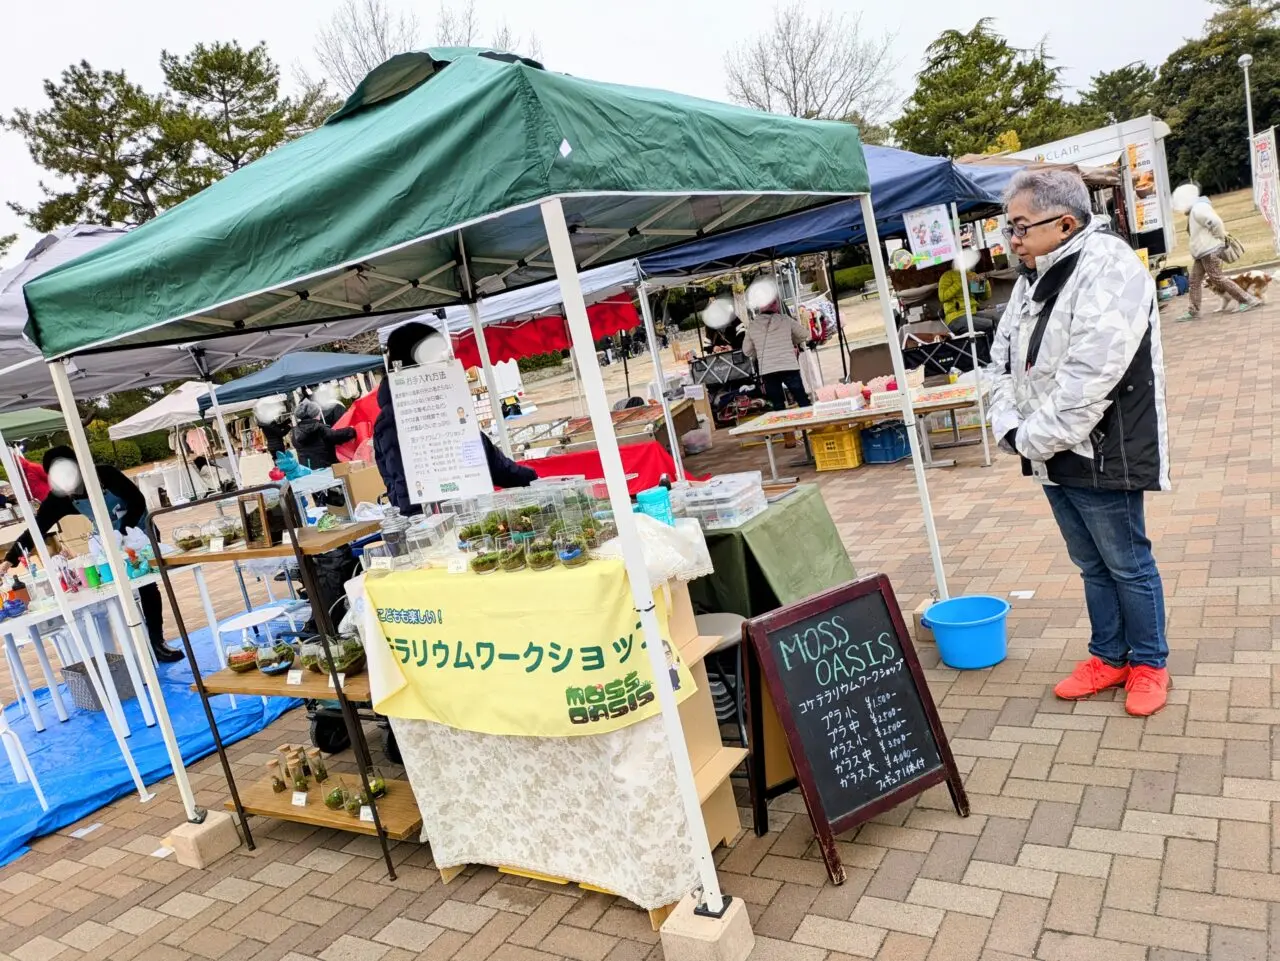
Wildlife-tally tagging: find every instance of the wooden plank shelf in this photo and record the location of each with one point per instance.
(397, 809)
(717, 770)
(312, 541)
(313, 687)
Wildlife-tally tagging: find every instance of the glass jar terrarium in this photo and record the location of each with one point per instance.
(571, 549)
(188, 537)
(242, 658)
(276, 658)
(541, 552)
(511, 554)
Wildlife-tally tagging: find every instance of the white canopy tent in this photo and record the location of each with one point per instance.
(179, 407)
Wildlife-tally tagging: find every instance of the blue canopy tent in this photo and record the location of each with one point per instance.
(900, 181)
(302, 369)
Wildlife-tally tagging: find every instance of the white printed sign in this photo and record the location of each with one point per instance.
(440, 443)
(930, 236)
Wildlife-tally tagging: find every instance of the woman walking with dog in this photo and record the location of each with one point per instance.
(1209, 241)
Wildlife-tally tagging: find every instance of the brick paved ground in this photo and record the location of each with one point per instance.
(1094, 835)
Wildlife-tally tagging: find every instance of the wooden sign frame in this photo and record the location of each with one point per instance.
(757, 631)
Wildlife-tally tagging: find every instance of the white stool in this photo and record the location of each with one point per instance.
(22, 771)
(727, 627)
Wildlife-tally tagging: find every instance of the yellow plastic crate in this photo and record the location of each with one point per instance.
(836, 448)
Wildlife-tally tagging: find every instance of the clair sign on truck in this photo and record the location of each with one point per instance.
(1138, 145)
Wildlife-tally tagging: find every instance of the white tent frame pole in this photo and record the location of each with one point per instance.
(655, 353)
(482, 345)
(129, 605)
(632, 553)
(573, 370)
(17, 482)
(226, 436)
(973, 343)
(900, 374)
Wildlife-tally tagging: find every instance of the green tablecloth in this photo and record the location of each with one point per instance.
(790, 551)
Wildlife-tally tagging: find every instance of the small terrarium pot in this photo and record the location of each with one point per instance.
(312, 657)
(276, 659)
(542, 554)
(277, 782)
(242, 658)
(335, 799)
(188, 538)
(319, 770)
(348, 655)
(377, 783)
(486, 563)
(571, 549)
(352, 803)
(225, 527)
(298, 777)
(512, 554)
(496, 524)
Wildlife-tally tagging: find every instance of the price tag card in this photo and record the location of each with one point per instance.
(294, 678)
(366, 813)
(342, 679)
(380, 564)
(216, 544)
(458, 565)
(299, 799)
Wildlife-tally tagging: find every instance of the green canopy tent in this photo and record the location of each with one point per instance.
(33, 422)
(446, 176)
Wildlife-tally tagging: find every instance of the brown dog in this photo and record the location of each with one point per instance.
(1252, 282)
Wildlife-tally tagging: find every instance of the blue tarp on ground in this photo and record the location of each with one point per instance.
(900, 181)
(80, 768)
(301, 369)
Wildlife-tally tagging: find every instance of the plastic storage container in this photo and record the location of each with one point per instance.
(728, 500)
(836, 448)
(656, 502)
(970, 631)
(885, 443)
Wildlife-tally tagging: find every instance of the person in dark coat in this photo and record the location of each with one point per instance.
(128, 508)
(273, 421)
(409, 345)
(315, 441)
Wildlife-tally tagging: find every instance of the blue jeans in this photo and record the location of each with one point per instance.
(1106, 538)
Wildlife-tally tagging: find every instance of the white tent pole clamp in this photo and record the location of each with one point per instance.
(226, 436)
(132, 616)
(973, 342)
(482, 345)
(900, 374)
(632, 552)
(64, 608)
(652, 337)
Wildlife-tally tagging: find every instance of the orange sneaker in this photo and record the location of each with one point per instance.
(1148, 689)
(1090, 677)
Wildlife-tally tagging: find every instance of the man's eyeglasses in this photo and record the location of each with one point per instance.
(1021, 230)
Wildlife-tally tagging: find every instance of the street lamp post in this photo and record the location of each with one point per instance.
(1245, 62)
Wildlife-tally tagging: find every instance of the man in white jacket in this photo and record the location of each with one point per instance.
(1078, 394)
(1208, 237)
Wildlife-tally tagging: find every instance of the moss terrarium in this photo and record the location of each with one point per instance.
(485, 563)
(348, 655)
(512, 559)
(377, 783)
(243, 659)
(571, 550)
(336, 799)
(188, 538)
(276, 659)
(469, 533)
(495, 524)
(542, 555)
(352, 804)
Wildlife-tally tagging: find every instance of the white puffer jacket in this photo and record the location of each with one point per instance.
(1208, 232)
(1085, 398)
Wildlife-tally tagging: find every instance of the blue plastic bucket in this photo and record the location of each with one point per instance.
(970, 631)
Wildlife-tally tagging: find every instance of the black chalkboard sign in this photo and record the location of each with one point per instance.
(861, 725)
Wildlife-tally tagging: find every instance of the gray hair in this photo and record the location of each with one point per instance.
(1051, 191)
(309, 410)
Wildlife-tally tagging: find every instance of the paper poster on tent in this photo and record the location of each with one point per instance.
(440, 441)
(930, 236)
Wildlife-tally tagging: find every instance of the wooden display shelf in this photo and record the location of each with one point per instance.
(717, 770)
(313, 686)
(397, 809)
(312, 541)
(695, 650)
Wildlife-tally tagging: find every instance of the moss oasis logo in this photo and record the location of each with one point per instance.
(611, 700)
(831, 650)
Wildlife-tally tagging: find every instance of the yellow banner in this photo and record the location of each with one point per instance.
(536, 653)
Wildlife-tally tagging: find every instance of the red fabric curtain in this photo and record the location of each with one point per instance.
(361, 416)
(644, 465)
(511, 341)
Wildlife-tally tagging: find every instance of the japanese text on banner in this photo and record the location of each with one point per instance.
(538, 653)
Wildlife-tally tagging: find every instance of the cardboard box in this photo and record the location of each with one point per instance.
(71, 534)
(365, 484)
(922, 633)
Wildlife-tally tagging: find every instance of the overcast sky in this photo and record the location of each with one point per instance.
(676, 44)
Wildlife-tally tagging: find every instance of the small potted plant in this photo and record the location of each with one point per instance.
(276, 659)
(512, 558)
(542, 555)
(495, 525)
(485, 563)
(377, 783)
(352, 803)
(336, 799)
(313, 657)
(277, 782)
(188, 538)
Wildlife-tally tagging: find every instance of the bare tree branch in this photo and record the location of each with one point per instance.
(504, 38)
(458, 27)
(820, 66)
(361, 35)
